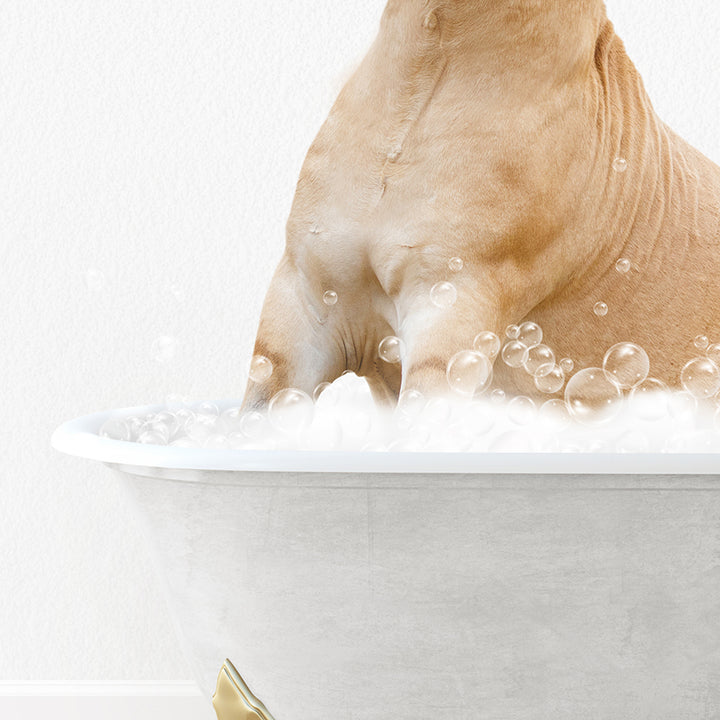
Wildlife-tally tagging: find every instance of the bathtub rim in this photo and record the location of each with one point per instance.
(79, 437)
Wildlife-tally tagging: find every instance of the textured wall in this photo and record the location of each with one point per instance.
(159, 143)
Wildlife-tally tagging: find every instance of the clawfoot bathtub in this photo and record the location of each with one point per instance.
(419, 585)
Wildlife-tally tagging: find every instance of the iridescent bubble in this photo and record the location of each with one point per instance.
(514, 354)
(115, 429)
(456, 264)
(511, 331)
(701, 342)
(713, 353)
(261, 369)
(391, 349)
(94, 279)
(487, 343)
(701, 378)
(497, 396)
(539, 361)
(626, 365)
(290, 410)
(552, 382)
(600, 309)
(443, 295)
(567, 365)
(529, 334)
(469, 372)
(591, 397)
(330, 297)
(649, 399)
(619, 164)
(521, 410)
(623, 265)
(163, 348)
(555, 412)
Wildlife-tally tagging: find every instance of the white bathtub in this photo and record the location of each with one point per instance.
(360, 586)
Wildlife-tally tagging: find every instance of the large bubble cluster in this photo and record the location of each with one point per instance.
(617, 406)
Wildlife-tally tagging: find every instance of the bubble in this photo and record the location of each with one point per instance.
(619, 164)
(410, 405)
(216, 442)
(330, 297)
(253, 424)
(94, 279)
(497, 396)
(713, 353)
(163, 349)
(184, 416)
(167, 419)
(261, 369)
(134, 424)
(556, 413)
(290, 410)
(319, 390)
(511, 331)
(539, 361)
(701, 378)
(514, 354)
(529, 334)
(567, 365)
(521, 410)
(201, 427)
(115, 429)
(391, 349)
(231, 418)
(591, 397)
(487, 343)
(600, 309)
(649, 399)
(552, 382)
(626, 365)
(469, 372)
(456, 264)
(623, 265)
(207, 408)
(149, 437)
(701, 342)
(443, 295)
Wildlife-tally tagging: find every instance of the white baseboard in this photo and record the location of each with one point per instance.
(108, 702)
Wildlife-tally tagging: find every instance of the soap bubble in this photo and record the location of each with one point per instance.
(529, 334)
(391, 349)
(253, 424)
(591, 397)
(151, 438)
(260, 369)
(539, 360)
(456, 264)
(330, 297)
(230, 419)
(168, 419)
(184, 416)
(290, 410)
(469, 372)
(623, 265)
(600, 309)
(552, 382)
(514, 354)
(410, 404)
(207, 408)
(701, 378)
(320, 389)
(649, 399)
(701, 342)
(521, 410)
(511, 331)
(497, 396)
(619, 164)
(713, 353)
(443, 295)
(94, 279)
(567, 365)
(115, 429)
(626, 365)
(556, 413)
(163, 348)
(487, 343)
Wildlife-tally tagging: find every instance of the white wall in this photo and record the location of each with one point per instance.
(159, 143)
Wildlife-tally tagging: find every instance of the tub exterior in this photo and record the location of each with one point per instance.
(357, 597)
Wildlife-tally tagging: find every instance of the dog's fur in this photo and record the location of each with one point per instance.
(487, 130)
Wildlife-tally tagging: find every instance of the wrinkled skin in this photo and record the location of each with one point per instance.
(487, 130)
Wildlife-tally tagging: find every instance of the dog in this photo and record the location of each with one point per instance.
(517, 136)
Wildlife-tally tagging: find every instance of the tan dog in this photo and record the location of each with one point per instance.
(487, 130)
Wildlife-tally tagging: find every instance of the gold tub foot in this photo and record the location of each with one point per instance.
(233, 700)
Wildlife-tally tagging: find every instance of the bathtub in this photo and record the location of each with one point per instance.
(360, 586)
